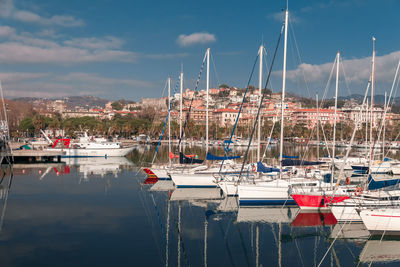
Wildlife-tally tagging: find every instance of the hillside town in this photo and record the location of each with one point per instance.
(224, 104)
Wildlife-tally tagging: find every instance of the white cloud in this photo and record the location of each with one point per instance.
(166, 56)
(280, 17)
(96, 80)
(195, 38)
(8, 10)
(17, 84)
(6, 31)
(13, 52)
(108, 42)
(15, 77)
(26, 48)
(358, 71)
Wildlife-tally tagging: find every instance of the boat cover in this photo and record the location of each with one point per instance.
(264, 169)
(289, 157)
(297, 162)
(373, 184)
(186, 160)
(213, 157)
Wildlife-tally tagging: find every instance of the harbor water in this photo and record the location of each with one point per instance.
(102, 212)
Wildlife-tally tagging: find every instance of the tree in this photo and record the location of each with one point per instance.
(26, 125)
(223, 86)
(116, 105)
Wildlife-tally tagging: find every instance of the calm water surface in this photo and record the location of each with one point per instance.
(100, 212)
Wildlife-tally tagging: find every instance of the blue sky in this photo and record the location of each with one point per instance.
(127, 49)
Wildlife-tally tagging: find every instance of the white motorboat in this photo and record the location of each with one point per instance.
(90, 147)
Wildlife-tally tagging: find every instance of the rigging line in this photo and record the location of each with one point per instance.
(191, 103)
(328, 83)
(153, 124)
(383, 118)
(215, 71)
(266, 67)
(261, 101)
(239, 112)
(300, 59)
(167, 118)
(345, 77)
(269, 139)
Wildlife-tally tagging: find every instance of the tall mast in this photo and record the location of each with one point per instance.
(334, 119)
(207, 88)
(169, 118)
(384, 129)
(283, 93)
(366, 123)
(317, 127)
(260, 54)
(372, 103)
(180, 109)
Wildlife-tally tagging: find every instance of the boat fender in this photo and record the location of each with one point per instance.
(359, 191)
(347, 180)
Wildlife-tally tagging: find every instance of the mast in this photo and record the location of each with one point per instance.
(334, 119)
(366, 123)
(169, 119)
(180, 109)
(372, 104)
(317, 127)
(260, 54)
(283, 93)
(384, 130)
(207, 88)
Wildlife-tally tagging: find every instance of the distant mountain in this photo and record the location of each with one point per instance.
(85, 101)
(72, 101)
(378, 99)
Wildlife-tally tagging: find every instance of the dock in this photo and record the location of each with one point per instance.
(36, 156)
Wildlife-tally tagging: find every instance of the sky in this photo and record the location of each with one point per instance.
(124, 49)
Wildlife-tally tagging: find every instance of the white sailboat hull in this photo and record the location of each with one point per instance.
(379, 221)
(160, 173)
(229, 188)
(269, 193)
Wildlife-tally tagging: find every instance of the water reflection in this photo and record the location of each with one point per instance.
(380, 251)
(82, 215)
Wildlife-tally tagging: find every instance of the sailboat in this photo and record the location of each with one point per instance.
(320, 199)
(202, 175)
(277, 191)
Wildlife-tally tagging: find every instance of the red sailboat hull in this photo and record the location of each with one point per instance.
(316, 201)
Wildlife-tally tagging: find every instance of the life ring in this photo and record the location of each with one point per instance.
(254, 168)
(359, 191)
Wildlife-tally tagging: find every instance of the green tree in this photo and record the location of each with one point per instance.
(116, 105)
(26, 125)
